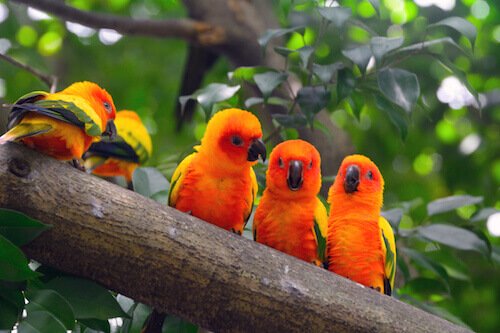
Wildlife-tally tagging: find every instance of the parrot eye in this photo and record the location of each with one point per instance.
(280, 163)
(107, 106)
(237, 141)
(310, 164)
(369, 175)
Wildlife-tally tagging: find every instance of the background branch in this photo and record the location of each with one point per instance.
(184, 266)
(49, 80)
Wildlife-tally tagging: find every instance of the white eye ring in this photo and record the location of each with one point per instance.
(107, 106)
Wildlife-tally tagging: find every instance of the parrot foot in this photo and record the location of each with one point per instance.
(76, 163)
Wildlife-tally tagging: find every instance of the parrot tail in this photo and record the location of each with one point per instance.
(24, 130)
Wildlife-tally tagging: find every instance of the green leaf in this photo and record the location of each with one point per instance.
(83, 295)
(246, 73)
(427, 263)
(13, 263)
(483, 214)
(177, 325)
(41, 322)
(312, 100)
(337, 15)
(459, 24)
(305, 53)
(346, 81)
(139, 316)
(290, 120)
(52, 302)
(252, 101)
(380, 46)
(283, 51)
(454, 237)
(393, 216)
(19, 228)
(161, 197)
(8, 315)
(396, 115)
(274, 33)
(148, 181)
(208, 96)
(428, 46)
(425, 287)
(399, 86)
(269, 81)
(96, 325)
(376, 5)
(359, 55)
(451, 203)
(357, 103)
(326, 72)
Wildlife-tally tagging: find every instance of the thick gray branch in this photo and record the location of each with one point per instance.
(184, 266)
(188, 29)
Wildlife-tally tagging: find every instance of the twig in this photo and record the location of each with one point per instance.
(49, 80)
(187, 29)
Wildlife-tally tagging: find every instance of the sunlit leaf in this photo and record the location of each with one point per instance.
(380, 46)
(267, 82)
(375, 4)
(337, 15)
(359, 55)
(19, 228)
(284, 51)
(459, 24)
(399, 86)
(247, 73)
(13, 263)
(451, 203)
(208, 96)
(274, 33)
(454, 237)
(483, 214)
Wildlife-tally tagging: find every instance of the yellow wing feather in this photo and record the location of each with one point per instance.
(253, 196)
(131, 129)
(387, 237)
(321, 225)
(177, 179)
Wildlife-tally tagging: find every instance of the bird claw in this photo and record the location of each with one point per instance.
(78, 164)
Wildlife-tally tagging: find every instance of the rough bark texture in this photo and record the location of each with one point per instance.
(184, 266)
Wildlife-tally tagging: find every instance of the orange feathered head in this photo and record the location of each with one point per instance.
(358, 181)
(233, 138)
(100, 100)
(294, 169)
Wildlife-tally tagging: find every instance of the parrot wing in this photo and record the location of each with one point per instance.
(117, 148)
(177, 179)
(389, 250)
(70, 109)
(252, 197)
(320, 229)
(24, 130)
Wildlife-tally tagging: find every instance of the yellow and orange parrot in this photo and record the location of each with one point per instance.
(62, 124)
(290, 217)
(361, 243)
(217, 182)
(122, 155)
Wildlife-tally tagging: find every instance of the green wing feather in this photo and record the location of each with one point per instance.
(389, 247)
(320, 229)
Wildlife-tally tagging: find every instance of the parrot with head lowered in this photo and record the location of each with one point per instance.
(217, 182)
(122, 155)
(290, 217)
(62, 124)
(361, 243)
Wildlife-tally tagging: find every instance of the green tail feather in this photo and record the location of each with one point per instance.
(23, 131)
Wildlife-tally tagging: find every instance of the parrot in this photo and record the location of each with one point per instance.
(62, 124)
(290, 217)
(121, 156)
(361, 243)
(217, 183)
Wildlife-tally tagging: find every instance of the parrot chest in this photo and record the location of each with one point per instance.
(287, 227)
(223, 201)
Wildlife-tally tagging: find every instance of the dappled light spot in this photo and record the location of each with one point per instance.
(5, 45)
(480, 9)
(4, 12)
(454, 93)
(493, 224)
(26, 36)
(3, 90)
(443, 4)
(80, 30)
(37, 15)
(470, 144)
(423, 164)
(50, 43)
(109, 36)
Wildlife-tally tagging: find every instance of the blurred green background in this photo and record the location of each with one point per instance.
(451, 147)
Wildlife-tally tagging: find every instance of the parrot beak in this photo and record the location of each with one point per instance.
(351, 180)
(257, 148)
(295, 178)
(110, 130)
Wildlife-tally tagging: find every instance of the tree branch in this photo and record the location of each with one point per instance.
(188, 29)
(184, 266)
(49, 80)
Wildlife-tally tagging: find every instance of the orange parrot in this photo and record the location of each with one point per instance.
(62, 124)
(290, 217)
(122, 155)
(217, 183)
(361, 243)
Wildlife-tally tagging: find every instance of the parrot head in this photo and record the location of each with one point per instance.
(233, 138)
(294, 167)
(100, 100)
(358, 180)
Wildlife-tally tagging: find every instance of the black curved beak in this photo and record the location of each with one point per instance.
(257, 148)
(295, 177)
(110, 130)
(351, 180)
